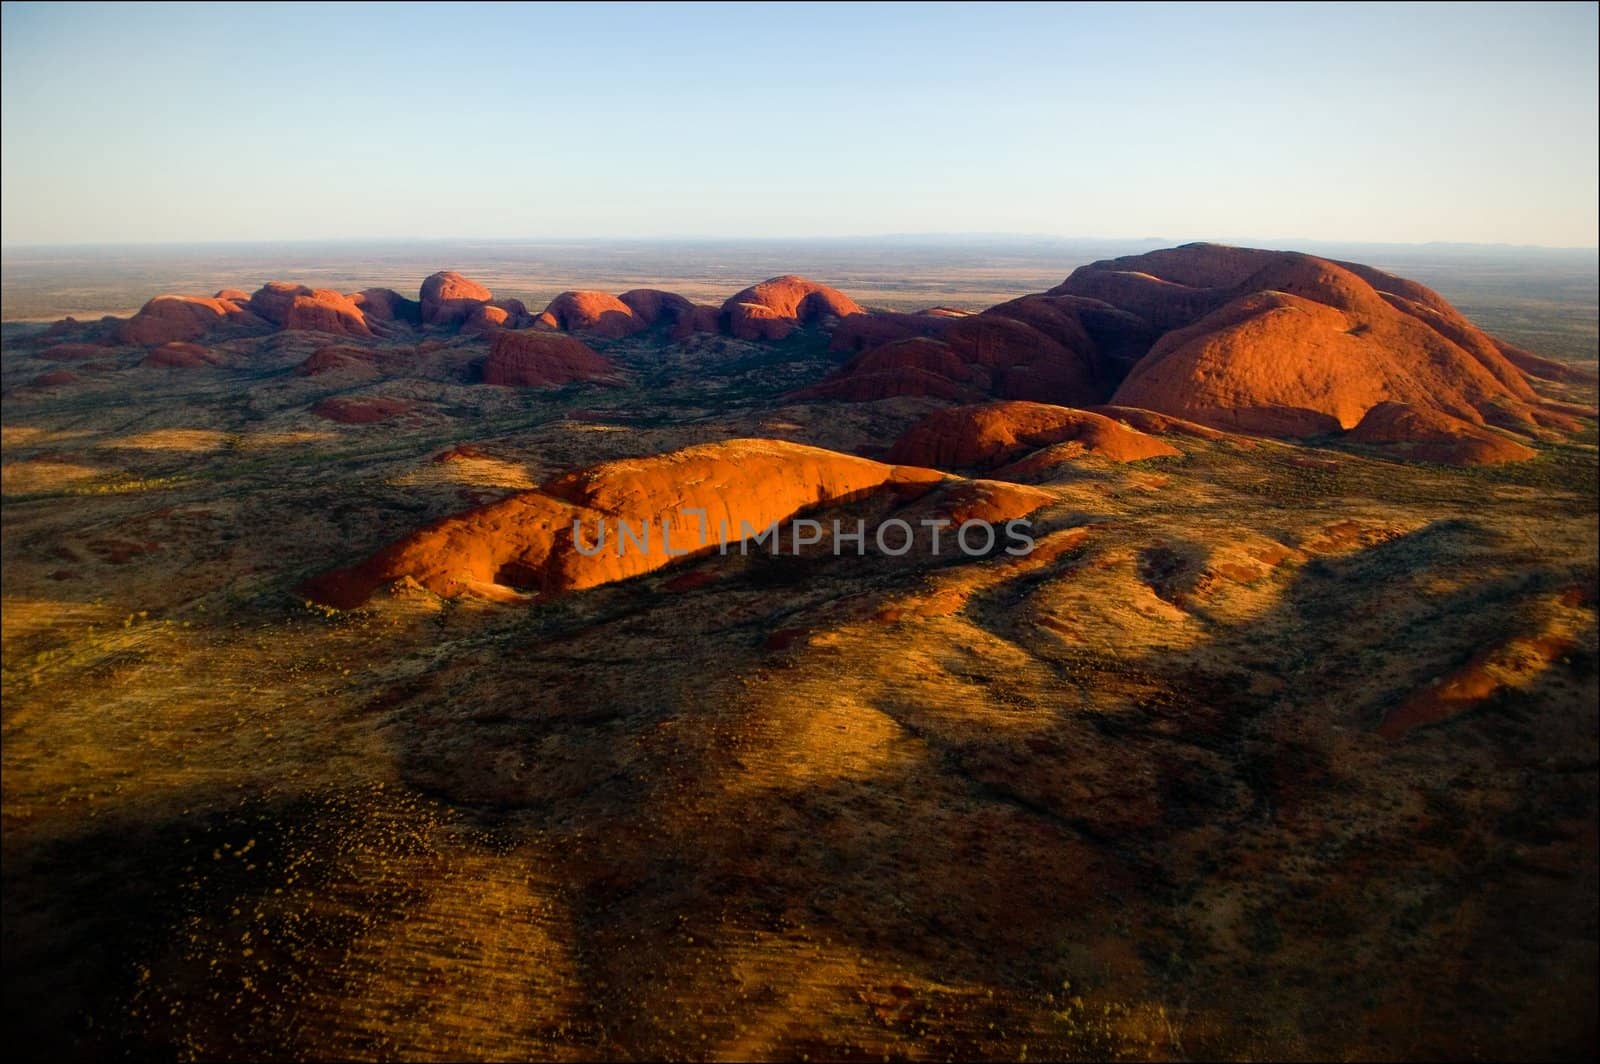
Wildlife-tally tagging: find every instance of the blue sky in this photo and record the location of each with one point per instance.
(255, 122)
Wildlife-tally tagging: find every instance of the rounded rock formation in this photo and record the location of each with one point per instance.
(1279, 343)
(181, 356)
(353, 410)
(1237, 339)
(993, 434)
(599, 313)
(529, 359)
(448, 297)
(1033, 348)
(1432, 436)
(167, 319)
(774, 308)
(294, 306)
(351, 360)
(526, 542)
(655, 307)
(387, 305)
(485, 318)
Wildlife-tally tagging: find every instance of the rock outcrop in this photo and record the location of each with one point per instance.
(599, 313)
(181, 356)
(655, 307)
(991, 435)
(485, 318)
(355, 410)
(774, 308)
(169, 319)
(859, 332)
(525, 543)
(527, 358)
(345, 360)
(1238, 339)
(1279, 343)
(448, 298)
(1037, 348)
(387, 305)
(1424, 435)
(294, 306)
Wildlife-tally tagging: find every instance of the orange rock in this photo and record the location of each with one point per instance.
(294, 306)
(272, 300)
(325, 310)
(699, 318)
(990, 435)
(526, 541)
(485, 318)
(916, 366)
(860, 332)
(1239, 339)
(336, 359)
(448, 297)
(55, 378)
(356, 411)
(1037, 347)
(181, 356)
(1511, 663)
(992, 501)
(599, 313)
(1432, 436)
(387, 305)
(1280, 343)
(167, 319)
(655, 307)
(525, 358)
(1544, 368)
(461, 452)
(1158, 424)
(773, 309)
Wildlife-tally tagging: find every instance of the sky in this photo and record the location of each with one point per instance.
(1391, 123)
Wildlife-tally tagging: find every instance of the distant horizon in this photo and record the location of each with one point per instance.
(1279, 243)
(228, 123)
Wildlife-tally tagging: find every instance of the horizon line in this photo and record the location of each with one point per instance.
(1162, 241)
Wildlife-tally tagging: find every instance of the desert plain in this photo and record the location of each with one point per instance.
(321, 740)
